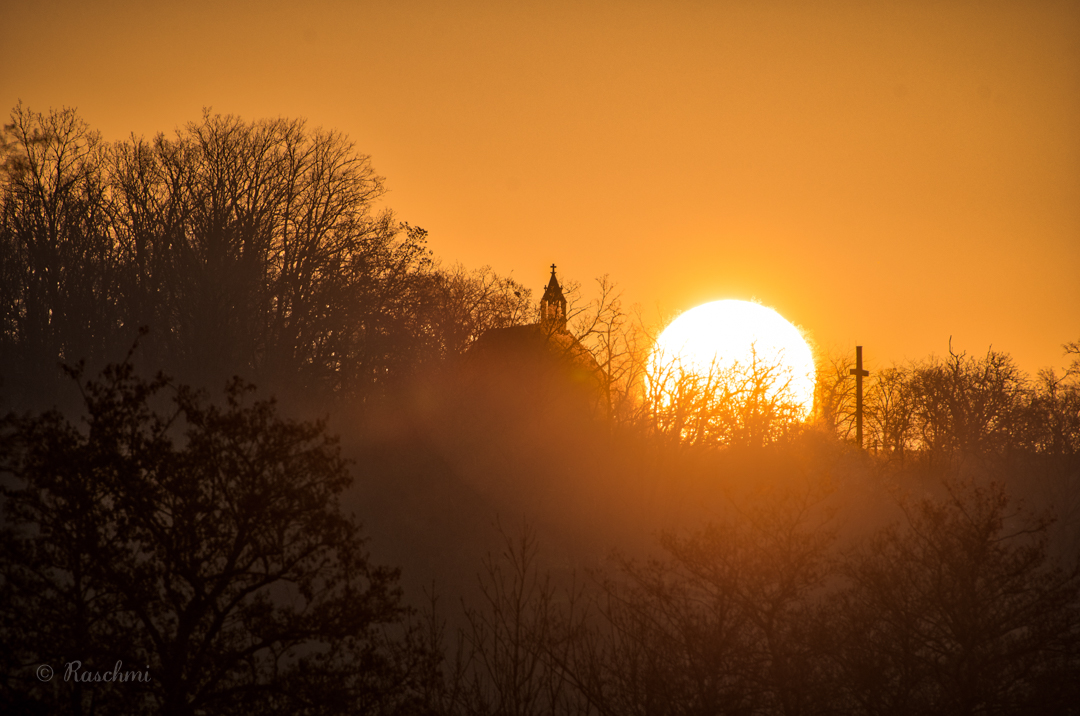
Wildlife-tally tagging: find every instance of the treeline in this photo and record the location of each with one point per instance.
(939, 409)
(208, 543)
(249, 248)
(955, 609)
(959, 407)
(259, 249)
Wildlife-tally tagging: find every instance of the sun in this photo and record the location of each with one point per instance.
(732, 347)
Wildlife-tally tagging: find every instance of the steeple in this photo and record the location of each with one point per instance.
(553, 306)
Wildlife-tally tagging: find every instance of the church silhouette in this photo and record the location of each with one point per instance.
(543, 355)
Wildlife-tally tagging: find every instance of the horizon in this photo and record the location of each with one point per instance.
(898, 177)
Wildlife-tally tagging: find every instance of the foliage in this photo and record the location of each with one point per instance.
(202, 541)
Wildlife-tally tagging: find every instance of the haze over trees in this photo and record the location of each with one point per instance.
(205, 541)
(251, 248)
(690, 553)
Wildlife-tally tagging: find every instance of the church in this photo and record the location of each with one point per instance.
(543, 354)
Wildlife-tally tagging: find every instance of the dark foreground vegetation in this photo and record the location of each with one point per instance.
(645, 554)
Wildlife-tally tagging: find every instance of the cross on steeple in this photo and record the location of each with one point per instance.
(552, 269)
(859, 374)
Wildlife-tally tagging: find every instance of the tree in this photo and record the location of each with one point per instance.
(968, 407)
(834, 396)
(58, 264)
(890, 413)
(247, 247)
(958, 412)
(605, 329)
(255, 247)
(1055, 409)
(727, 623)
(461, 305)
(201, 543)
(959, 611)
(746, 403)
(513, 649)
(666, 643)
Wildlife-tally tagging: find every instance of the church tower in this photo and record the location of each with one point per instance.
(553, 306)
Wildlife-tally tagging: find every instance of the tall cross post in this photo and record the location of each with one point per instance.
(859, 373)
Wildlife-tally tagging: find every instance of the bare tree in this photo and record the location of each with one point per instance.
(617, 343)
(58, 265)
(834, 396)
(890, 413)
(464, 304)
(726, 623)
(247, 247)
(968, 407)
(747, 403)
(513, 653)
(959, 611)
(255, 247)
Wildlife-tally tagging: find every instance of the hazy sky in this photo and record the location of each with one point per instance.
(883, 173)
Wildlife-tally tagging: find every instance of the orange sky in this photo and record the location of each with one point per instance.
(883, 173)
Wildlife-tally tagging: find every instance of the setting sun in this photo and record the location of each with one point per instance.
(724, 343)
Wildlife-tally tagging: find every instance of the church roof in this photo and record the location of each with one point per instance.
(534, 339)
(537, 350)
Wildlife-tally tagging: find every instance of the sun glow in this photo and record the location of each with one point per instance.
(731, 348)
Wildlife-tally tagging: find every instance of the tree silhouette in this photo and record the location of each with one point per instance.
(251, 248)
(255, 248)
(460, 305)
(959, 611)
(747, 403)
(201, 542)
(961, 412)
(512, 651)
(58, 265)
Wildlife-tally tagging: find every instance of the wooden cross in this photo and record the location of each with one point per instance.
(859, 373)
